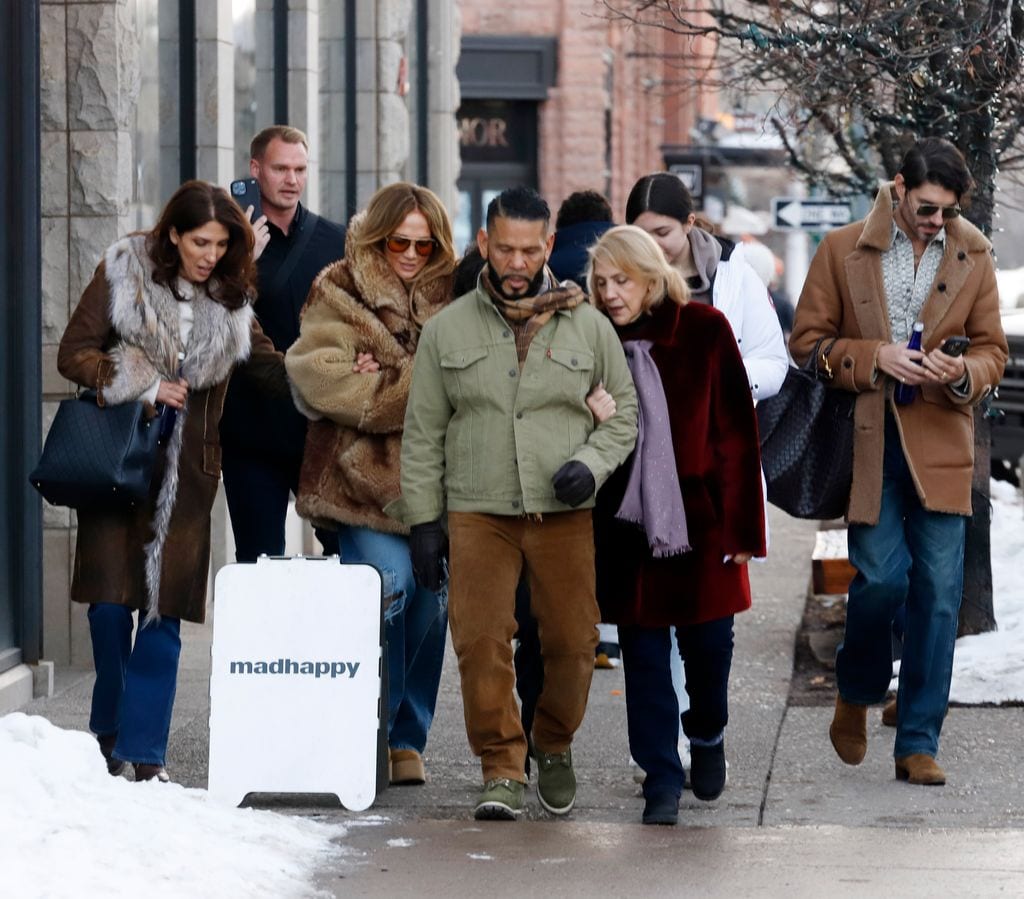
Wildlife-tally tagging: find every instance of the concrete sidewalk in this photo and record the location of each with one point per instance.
(793, 820)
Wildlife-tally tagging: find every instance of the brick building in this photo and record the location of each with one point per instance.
(557, 96)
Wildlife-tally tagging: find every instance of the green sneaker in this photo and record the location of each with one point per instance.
(501, 800)
(556, 781)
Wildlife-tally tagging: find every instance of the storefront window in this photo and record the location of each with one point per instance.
(156, 134)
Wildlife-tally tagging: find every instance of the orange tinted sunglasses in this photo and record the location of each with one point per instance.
(424, 246)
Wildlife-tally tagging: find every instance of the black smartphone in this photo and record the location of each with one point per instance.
(955, 346)
(246, 192)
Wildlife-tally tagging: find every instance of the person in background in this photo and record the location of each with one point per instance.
(676, 525)
(767, 267)
(166, 319)
(582, 218)
(351, 367)
(499, 436)
(913, 259)
(263, 437)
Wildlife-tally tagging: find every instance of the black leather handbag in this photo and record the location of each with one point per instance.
(98, 455)
(806, 433)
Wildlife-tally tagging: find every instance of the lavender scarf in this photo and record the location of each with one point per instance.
(653, 499)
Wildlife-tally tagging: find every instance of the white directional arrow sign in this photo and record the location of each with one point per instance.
(810, 213)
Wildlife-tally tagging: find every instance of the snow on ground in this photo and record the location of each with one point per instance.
(990, 667)
(67, 828)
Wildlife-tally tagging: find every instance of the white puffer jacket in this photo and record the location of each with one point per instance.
(740, 295)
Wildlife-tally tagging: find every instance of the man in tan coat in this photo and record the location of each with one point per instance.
(914, 258)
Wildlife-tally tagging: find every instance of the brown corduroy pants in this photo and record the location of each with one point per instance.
(488, 553)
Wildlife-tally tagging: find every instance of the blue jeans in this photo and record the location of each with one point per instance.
(135, 686)
(415, 627)
(913, 556)
(652, 710)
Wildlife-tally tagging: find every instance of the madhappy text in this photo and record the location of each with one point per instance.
(288, 666)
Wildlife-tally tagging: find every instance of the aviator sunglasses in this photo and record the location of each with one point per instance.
(424, 246)
(927, 210)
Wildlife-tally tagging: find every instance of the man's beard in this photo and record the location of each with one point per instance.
(532, 289)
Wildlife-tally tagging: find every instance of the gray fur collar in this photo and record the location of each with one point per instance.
(145, 316)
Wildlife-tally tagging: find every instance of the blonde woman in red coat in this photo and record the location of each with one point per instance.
(677, 523)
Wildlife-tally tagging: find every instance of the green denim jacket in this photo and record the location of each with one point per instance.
(482, 436)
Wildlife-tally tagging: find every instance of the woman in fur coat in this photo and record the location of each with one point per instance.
(165, 319)
(350, 371)
(675, 526)
(717, 273)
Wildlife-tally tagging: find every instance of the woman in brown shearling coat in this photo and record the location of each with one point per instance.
(350, 371)
(165, 319)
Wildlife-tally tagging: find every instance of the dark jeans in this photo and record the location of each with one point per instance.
(257, 491)
(528, 661)
(912, 556)
(135, 685)
(652, 710)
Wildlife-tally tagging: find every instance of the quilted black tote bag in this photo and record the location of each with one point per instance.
(806, 433)
(97, 455)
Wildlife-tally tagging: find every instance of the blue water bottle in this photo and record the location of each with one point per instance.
(905, 393)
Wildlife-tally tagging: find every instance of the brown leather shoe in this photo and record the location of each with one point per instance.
(920, 769)
(849, 731)
(890, 714)
(407, 767)
(150, 772)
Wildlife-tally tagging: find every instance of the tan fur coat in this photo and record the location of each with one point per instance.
(350, 470)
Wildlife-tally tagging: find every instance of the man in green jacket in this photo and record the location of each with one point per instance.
(498, 434)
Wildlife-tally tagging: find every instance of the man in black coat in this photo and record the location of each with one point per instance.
(262, 437)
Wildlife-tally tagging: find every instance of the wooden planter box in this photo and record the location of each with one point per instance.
(831, 571)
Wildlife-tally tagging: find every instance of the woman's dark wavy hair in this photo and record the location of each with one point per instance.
(233, 281)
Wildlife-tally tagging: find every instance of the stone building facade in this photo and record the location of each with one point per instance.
(134, 96)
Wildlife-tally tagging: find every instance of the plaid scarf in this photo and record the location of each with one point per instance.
(527, 315)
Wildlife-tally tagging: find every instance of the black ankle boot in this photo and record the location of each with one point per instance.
(115, 767)
(707, 770)
(662, 808)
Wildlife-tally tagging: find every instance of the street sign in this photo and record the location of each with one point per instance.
(810, 213)
(692, 176)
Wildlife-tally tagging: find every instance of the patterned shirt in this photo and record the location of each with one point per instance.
(905, 290)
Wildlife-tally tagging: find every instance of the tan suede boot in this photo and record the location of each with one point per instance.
(407, 767)
(849, 731)
(920, 769)
(890, 714)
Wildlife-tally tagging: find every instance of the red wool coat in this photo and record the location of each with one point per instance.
(714, 433)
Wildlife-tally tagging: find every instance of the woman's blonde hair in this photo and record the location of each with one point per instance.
(632, 250)
(387, 210)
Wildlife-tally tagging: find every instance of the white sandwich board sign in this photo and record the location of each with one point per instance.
(295, 688)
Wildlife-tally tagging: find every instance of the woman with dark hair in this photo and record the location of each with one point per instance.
(165, 319)
(675, 526)
(716, 273)
(350, 369)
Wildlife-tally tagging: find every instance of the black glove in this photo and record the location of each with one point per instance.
(428, 547)
(573, 483)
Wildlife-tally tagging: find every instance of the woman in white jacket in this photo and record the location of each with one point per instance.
(716, 273)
